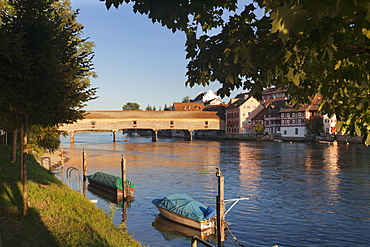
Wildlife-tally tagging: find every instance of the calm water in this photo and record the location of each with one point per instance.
(301, 194)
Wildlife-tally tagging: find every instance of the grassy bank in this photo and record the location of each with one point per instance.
(57, 215)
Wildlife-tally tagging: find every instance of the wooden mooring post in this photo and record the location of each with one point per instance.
(220, 209)
(84, 170)
(62, 164)
(123, 172)
(125, 191)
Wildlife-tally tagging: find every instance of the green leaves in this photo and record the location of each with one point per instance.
(313, 47)
(44, 65)
(288, 19)
(131, 106)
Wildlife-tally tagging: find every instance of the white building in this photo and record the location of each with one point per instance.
(329, 124)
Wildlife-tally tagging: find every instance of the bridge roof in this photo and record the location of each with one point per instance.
(150, 114)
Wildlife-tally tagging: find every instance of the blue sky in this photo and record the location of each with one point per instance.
(136, 60)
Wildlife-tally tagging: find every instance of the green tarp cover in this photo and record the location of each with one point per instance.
(109, 180)
(186, 206)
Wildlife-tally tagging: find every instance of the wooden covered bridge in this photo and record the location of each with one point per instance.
(115, 121)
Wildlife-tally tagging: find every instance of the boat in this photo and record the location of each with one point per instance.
(329, 142)
(110, 184)
(186, 211)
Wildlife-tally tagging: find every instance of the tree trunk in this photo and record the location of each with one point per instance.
(13, 156)
(24, 167)
(21, 151)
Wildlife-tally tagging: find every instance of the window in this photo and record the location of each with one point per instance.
(249, 114)
(296, 131)
(206, 123)
(172, 122)
(285, 132)
(134, 122)
(288, 114)
(248, 107)
(93, 123)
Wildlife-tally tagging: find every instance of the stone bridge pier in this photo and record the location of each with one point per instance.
(154, 135)
(188, 135)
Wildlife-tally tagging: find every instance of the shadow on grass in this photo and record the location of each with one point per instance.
(25, 231)
(14, 229)
(48, 202)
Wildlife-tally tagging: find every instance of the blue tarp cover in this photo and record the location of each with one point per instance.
(186, 206)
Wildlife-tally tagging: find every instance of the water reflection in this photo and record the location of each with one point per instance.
(250, 168)
(302, 194)
(171, 230)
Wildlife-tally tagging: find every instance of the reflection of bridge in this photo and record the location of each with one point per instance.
(114, 121)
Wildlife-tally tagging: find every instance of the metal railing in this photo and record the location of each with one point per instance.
(76, 172)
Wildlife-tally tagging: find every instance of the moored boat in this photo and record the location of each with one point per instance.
(329, 142)
(110, 184)
(184, 210)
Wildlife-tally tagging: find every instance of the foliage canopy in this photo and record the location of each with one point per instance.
(44, 64)
(131, 106)
(313, 47)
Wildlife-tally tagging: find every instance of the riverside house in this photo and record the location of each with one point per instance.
(241, 108)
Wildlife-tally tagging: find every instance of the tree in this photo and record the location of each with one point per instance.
(260, 128)
(44, 66)
(167, 108)
(131, 106)
(149, 108)
(186, 99)
(313, 47)
(41, 138)
(315, 125)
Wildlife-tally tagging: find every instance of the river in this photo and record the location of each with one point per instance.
(301, 194)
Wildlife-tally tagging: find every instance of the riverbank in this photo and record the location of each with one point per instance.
(57, 215)
(277, 137)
